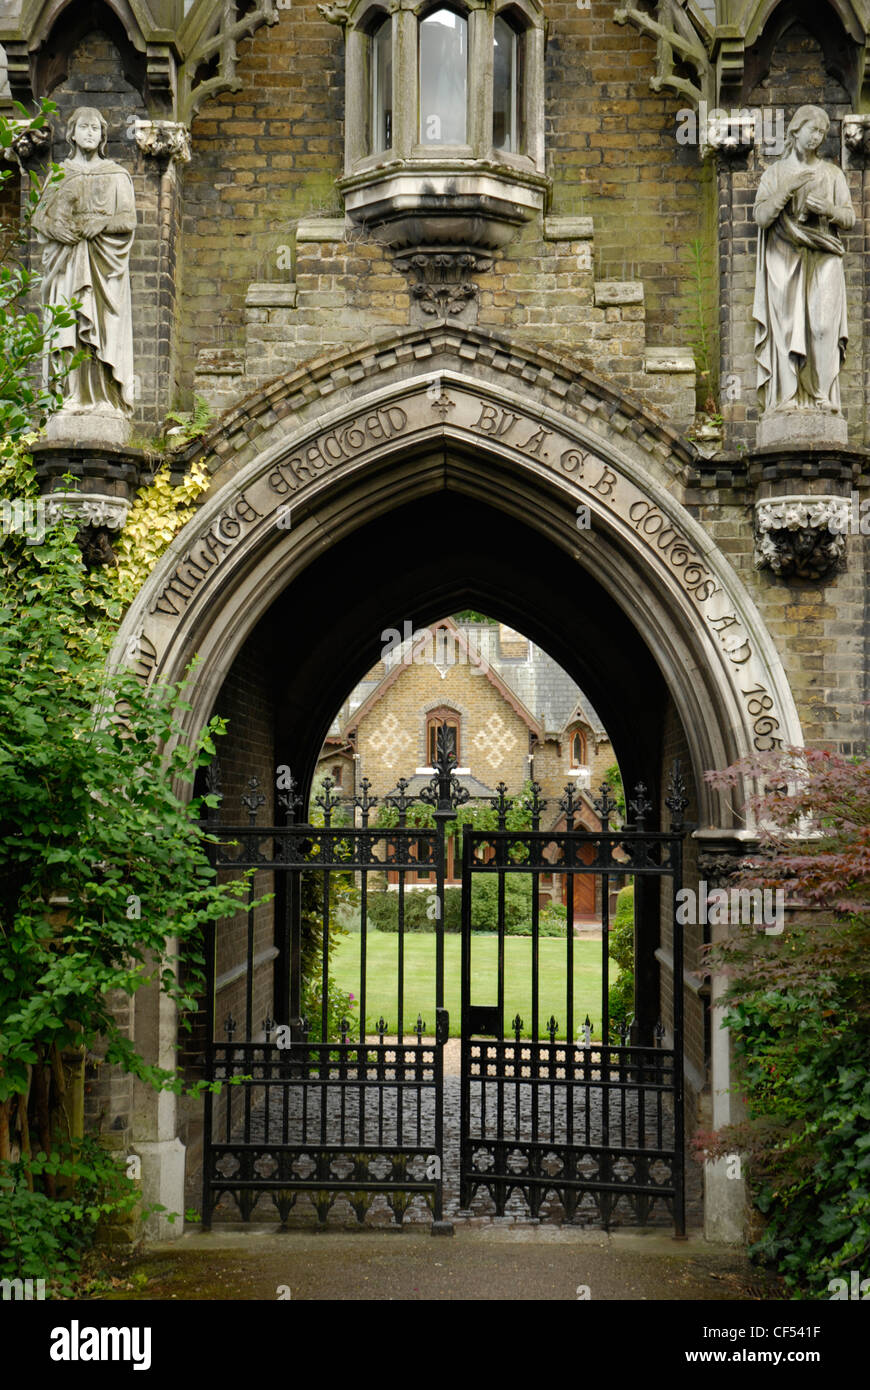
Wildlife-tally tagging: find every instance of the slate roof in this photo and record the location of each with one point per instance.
(536, 680)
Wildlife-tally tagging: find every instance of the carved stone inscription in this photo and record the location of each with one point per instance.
(207, 553)
(606, 488)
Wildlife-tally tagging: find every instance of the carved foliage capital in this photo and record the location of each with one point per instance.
(28, 141)
(801, 537)
(163, 139)
(442, 281)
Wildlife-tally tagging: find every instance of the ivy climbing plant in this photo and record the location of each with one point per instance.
(157, 515)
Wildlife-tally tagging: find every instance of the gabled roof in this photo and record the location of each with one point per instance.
(473, 659)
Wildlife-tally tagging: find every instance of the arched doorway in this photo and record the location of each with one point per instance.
(451, 473)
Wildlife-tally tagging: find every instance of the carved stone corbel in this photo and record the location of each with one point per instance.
(29, 142)
(107, 478)
(442, 285)
(96, 515)
(730, 138)
(801, 537)
(163, 139)
(855, 131)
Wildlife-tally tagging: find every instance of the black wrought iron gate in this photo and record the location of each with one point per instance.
(321, 1105)
(550, 1111)
(317, 1104)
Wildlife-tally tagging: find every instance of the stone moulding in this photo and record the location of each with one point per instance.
(801, 537)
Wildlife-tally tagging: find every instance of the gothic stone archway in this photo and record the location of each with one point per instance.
(412, 451)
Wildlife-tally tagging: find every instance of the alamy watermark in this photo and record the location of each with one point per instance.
(441, 648)
(756, 125)
(23, 516)
(734, 907)
(855, 1288)
(25, 1290)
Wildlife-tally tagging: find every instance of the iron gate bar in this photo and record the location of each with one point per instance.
(524, 1156)
(361, 1132)
(327, 1085)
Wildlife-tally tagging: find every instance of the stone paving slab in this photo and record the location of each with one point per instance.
(488, 1263)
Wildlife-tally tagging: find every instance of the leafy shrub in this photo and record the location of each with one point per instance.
(620, 948)
(807, 1140)
(799, 1011)
(44, 1237)
(339, 1007)
(517, 902)
(383, 910)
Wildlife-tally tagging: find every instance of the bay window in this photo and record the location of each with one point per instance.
(444, 119)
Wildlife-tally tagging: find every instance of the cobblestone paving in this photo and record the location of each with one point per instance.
(418, 1116)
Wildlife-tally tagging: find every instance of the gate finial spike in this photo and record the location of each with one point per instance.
(676, 799)
(289, 797)
(517, 1027)
(604, 805)
(253, 799)
(640, 804)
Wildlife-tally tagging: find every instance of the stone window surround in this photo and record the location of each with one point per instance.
(374, 183)
(436, 716)
(580, 764)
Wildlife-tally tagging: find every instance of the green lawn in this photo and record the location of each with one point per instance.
(381, 994)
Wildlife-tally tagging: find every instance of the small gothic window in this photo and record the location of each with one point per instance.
(443, 78)
(506, 87)
(381, 76)
(578, 749)
(433, 724)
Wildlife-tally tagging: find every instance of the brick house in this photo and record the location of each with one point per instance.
(471, 677)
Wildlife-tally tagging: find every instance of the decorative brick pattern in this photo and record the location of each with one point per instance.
(494, 741)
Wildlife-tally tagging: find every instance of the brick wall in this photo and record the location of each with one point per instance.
(246, 702)
(267, 156)
(674, 745)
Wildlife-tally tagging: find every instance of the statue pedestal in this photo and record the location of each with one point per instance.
(89, 427)
(802, 429)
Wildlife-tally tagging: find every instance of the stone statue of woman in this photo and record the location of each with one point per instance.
(800, 288)
(86, 222)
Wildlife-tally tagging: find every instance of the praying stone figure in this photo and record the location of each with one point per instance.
(86, 222)
(800, 289)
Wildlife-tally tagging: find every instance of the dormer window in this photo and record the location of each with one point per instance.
(444, 119)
